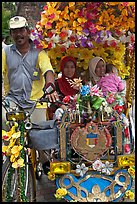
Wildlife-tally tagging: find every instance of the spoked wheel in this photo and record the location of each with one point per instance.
(18, 185)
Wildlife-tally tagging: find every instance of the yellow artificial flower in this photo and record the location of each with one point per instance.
(12, 158)
(131, 171)
(113, 3)
(51, 176)
(81, 20)
(18, 164)
(86, 54)
(16, 150)
(71, 4)
(129, 195)
(60, 193)
(5, 135)
(12, 142)
(16, 135)
(4, 149)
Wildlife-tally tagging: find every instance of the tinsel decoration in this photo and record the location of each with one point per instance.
(22, 169)
(8, 184)
(130, 82)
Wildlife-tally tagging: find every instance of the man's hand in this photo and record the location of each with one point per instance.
(50, 92)
(53, 97)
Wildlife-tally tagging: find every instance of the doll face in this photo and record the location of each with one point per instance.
(69, 69)
(100, 69)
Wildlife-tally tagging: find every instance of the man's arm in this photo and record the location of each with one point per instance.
(50, 79)
(48, 72)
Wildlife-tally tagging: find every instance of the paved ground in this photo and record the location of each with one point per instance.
(47, 188)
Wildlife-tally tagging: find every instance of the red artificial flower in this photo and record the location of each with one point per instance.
(50, 34)
(63, 48)
(63, 35)
(105, 44)
(118, 108)
(50, 45)
(72, 38)
(67, 99)
(126, 131)
(113, 43)
(118, 32)
(5, 137)
(132, 39)
(71, 46)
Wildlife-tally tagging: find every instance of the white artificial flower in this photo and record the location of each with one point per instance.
(107, 168)
(101, 108)
(108, 110)
(126, 121)
(58, 113)
(81, 169)
(97, 165)
(105, 103)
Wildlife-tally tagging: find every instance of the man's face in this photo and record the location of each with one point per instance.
(20, 35)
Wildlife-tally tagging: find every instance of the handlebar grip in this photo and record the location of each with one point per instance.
(47, 100)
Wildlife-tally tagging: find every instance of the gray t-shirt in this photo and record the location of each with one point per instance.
(20, 74)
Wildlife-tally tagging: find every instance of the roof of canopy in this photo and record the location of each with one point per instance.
(87, 29)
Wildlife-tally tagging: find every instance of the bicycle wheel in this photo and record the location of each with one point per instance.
(11, 188)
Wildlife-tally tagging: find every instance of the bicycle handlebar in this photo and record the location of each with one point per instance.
(28, 113)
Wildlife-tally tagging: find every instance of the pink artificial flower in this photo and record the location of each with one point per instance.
(110, 100)
(94, 91)
(51, 16)
(127, 148)
(48, 25)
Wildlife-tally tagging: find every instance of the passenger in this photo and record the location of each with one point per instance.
(63, 87)
(97, 69)
(110, 82)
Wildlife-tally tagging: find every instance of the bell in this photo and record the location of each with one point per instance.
(28, 125)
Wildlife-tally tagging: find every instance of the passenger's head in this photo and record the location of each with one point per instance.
(68, 67)
(97, 68)
(110, 68)
(19, 30)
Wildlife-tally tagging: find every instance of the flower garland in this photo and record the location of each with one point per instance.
(15, 150)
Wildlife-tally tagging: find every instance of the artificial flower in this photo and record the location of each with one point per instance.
(75, 83)
(4, 150)
(131, 171)
(97, 165)
(129, 195)
(81, 169)
(85, 90)
(127, 148)
(16, 149)
(18, 164)
(51, 176)
(60, 193)
(107, 168)
(16, 135)
(94, 91)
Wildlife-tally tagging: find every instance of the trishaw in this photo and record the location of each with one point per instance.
(91, 148)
